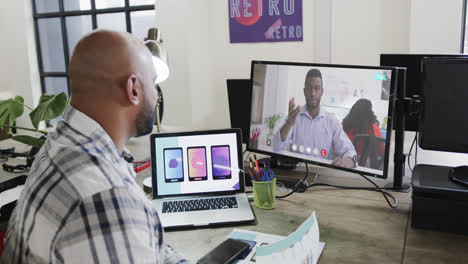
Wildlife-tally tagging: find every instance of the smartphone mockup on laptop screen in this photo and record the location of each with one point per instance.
(197, 178)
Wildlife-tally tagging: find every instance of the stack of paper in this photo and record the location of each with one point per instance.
(302, 246)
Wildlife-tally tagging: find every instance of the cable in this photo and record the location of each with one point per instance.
(286, 195)
(416, 154)
(411, 150)
(384, 193)
(300, 186)
(307, 172)
(14, 168)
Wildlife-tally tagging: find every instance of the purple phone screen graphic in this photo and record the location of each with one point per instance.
(173, 166)
(197, 163)
(221, 162)
(173, 163)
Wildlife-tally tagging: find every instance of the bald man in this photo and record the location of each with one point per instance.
(81, 203)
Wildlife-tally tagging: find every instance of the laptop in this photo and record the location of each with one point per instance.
(197, 178)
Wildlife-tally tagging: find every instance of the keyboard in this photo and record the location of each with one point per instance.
(199, 204)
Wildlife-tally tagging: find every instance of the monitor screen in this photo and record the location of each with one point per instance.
(444, 122)
(413, 85)
(332, 115)
(239, 92)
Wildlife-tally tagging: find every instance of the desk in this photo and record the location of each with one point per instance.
(355, 230)
(357, 226)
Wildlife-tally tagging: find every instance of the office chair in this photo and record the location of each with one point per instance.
(369, 151)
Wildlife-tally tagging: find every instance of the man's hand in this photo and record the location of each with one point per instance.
(345, 162)
(293, 112)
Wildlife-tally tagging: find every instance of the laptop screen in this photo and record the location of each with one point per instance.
(196, 162)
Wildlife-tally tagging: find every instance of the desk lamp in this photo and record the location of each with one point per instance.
(154, 43)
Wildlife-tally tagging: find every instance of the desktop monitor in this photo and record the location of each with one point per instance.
(335, 116)
(413, 64)
(444, 122)
(239, 94)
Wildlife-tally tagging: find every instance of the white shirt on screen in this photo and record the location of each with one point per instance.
(322, 135)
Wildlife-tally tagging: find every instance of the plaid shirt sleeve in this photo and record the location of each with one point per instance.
(113, 226)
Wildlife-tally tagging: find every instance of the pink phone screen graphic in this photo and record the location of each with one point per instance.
(197, 162)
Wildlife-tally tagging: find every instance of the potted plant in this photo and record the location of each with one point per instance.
(50, 107)
(271, 122)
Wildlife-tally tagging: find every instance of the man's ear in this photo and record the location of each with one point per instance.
(132, 90)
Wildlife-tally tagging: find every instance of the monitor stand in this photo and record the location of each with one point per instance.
(459, 175)
(283, 163)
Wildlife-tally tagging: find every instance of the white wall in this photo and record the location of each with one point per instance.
(201, 58)
(19, 73)
(435, 26)
(363, 29)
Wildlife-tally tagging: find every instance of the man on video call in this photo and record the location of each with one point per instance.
(313, 131)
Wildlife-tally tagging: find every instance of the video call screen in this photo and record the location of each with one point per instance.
(196, 163)
(333, 115)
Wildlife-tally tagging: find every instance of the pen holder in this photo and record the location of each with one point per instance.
(253, 143)
(264, 194)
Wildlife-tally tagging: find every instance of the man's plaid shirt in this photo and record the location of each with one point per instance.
(81, 204)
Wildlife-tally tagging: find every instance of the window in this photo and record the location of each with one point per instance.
(59, 24)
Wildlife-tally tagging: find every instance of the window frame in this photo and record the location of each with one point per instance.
(62, 15)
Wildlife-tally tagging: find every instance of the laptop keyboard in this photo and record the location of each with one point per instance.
(199, 204)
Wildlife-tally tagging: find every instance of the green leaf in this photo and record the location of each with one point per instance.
(50, 106)
(11, 109)
(29, 140)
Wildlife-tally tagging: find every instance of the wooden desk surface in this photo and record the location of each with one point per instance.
(355, 230)
(357, 227)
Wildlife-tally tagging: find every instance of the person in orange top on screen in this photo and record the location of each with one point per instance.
(361, 120)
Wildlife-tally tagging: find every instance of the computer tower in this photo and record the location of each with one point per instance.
(438, 203)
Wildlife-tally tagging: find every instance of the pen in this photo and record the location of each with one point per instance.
(255, 175)
(251, 175)
(257, 133)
